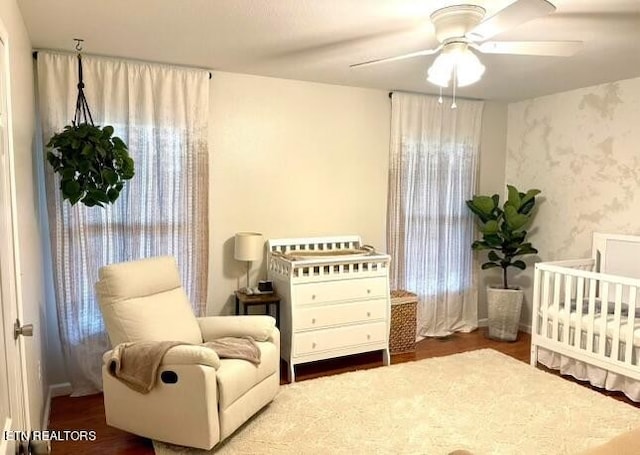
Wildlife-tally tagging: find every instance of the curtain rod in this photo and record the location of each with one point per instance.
(435, 94)
(35, 57)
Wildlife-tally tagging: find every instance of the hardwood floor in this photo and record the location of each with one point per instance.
(87, 413)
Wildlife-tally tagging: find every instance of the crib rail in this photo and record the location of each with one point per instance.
(586, 315)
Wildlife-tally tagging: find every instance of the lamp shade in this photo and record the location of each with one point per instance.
(248, 246)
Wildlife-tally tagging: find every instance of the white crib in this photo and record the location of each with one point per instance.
(586, 315)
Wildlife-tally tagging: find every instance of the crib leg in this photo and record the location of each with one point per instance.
(534, 355)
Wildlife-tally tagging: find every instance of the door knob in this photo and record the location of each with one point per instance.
(24, 330)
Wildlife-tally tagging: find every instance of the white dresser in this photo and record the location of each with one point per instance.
(334, 298)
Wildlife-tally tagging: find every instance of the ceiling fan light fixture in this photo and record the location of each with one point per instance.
(469, 69)
(455, 62)
(440, 71)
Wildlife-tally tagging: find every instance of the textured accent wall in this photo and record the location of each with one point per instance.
(582, 149)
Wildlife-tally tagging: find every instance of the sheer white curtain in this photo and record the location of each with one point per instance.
(432, 171)
(161, 112)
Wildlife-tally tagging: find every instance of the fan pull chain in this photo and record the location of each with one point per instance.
(455, 82)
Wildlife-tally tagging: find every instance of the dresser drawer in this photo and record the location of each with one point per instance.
(333, 291)
(312, 317)
(339, 337)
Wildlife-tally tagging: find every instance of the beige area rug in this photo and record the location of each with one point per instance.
(481, 401)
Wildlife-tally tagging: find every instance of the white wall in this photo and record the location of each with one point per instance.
(581, 149)
(292, 159)
(29, 241)
(491, 180)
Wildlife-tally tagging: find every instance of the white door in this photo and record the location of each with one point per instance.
(12, 402)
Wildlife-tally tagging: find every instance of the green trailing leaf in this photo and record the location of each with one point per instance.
(113, 194)
(87, 150)
(99, 195)
(107, 131)
(91, 162)
(109, 176)
(70, 188)
(503, 229)
(68, 174)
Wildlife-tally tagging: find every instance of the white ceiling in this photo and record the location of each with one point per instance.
(317, 40)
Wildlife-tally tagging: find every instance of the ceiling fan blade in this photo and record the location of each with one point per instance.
(517, 13)
(543, 48)
(399, 57)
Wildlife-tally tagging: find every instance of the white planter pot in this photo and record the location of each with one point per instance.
(504, 307)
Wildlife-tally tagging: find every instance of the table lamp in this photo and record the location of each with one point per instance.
(248, 247)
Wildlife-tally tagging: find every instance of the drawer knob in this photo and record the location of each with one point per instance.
(368, 336)
(368, 291)
(313, 297)
(368, 314)
(313, 345)
(313, 320)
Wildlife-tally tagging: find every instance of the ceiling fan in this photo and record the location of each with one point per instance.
(460, 28)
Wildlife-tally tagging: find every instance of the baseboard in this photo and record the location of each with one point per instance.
(525, 328)
(60, 390)
(55, 390)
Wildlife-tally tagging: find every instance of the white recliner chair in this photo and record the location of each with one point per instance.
(199, 399)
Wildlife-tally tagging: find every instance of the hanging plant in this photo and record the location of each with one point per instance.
(93, 163)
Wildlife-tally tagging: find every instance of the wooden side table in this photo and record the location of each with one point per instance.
(267, 300)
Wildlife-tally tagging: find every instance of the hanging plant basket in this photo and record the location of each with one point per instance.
(93, 163)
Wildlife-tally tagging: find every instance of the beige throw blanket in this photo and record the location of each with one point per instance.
(136, 364)
(244, 348)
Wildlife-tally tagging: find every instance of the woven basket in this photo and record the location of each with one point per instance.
(402, 337)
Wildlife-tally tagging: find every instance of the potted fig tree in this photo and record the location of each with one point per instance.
(504, 237)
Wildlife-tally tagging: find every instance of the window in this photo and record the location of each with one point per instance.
(161, 113)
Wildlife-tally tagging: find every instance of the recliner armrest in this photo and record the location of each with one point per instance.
(184, 355)
(191, 355)
(260, 328)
